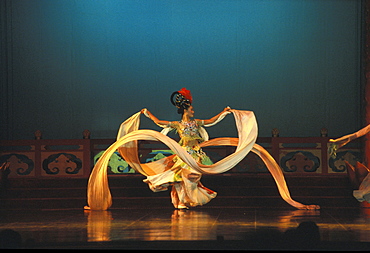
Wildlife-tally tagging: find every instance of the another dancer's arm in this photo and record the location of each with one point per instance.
(335, 144)
(347, 138)
(150, 115)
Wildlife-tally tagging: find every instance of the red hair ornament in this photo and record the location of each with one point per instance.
(187, 94)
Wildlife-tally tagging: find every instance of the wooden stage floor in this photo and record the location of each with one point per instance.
(198, 228)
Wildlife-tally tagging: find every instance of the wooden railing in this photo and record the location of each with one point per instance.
(45, 159)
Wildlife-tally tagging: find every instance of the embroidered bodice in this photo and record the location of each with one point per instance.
(188, 132)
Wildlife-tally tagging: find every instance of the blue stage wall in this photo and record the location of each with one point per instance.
(71, 65)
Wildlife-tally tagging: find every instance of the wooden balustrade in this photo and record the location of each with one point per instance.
(41, 158)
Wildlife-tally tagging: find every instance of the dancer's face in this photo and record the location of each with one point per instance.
(190, 111)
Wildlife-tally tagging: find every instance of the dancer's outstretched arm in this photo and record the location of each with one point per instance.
(215, 118)
(150, 115)
(349, 137)
(335, 144)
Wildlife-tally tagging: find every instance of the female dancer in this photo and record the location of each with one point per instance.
(187, 190)
(184, 168)
(359, 174)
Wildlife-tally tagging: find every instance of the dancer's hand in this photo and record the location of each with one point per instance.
(145, 112)
(332, 150)
(227, 109)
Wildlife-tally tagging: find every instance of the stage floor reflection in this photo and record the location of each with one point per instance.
(55, 228)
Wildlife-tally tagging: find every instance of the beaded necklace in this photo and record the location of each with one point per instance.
(190, 128)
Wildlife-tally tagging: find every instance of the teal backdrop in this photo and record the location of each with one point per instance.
(71, 65)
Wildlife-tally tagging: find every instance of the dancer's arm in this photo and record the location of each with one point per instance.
(150, 115)
(335, 144)
(349, 137)
(215, 118)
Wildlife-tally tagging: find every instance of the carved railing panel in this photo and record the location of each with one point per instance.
(75, 158)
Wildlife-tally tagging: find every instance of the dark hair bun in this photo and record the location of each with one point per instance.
(180, 101)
